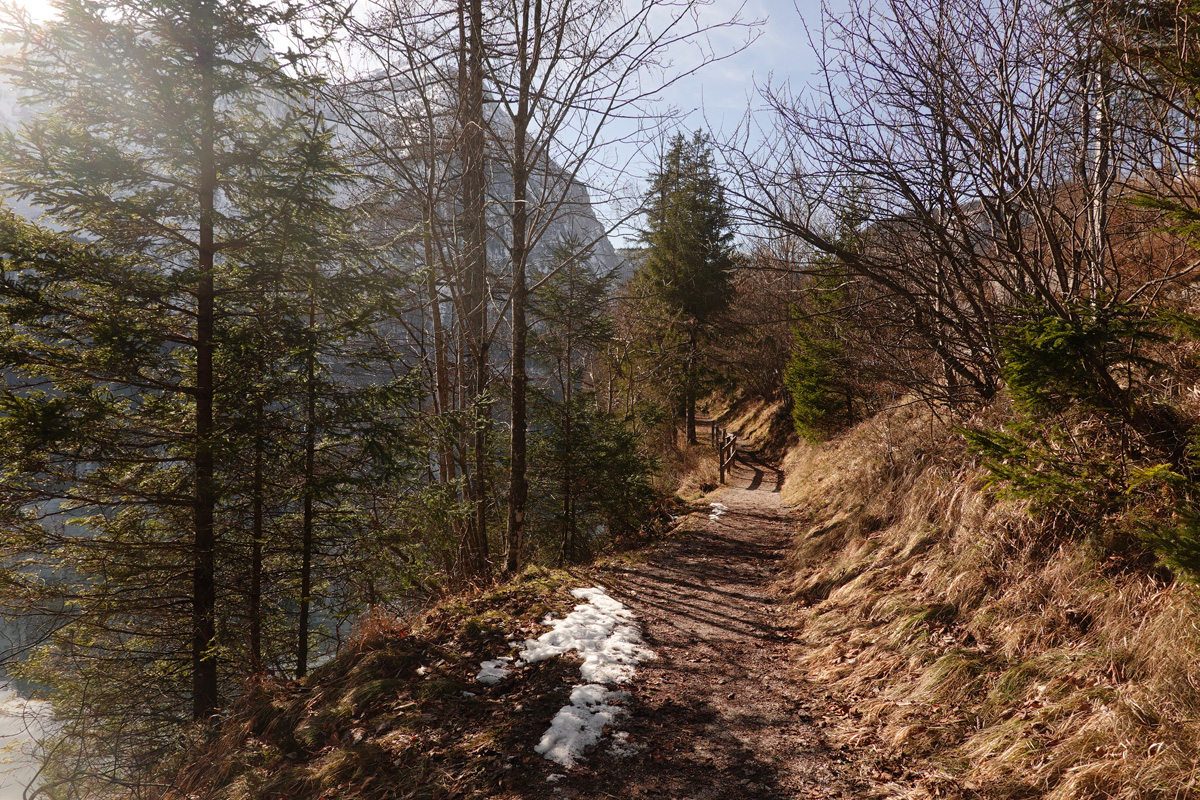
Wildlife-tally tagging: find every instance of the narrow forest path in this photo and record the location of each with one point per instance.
(719, 713)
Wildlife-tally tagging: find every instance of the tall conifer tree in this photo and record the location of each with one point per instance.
(188, 166)
(689, 253)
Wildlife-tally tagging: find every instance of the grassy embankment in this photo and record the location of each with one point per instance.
(398, 714)
(971, 644)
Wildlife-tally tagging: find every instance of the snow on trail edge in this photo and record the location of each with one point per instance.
(492, 672)
(580, 724)
(605, 634)
(603, 631)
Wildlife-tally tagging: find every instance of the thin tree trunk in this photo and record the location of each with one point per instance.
(1100, 179)
(475, 549)
(568, 541)
(204, 658)
(310, 458)
(440, 368)
(691, 388)
(518, 487)
(256, 547)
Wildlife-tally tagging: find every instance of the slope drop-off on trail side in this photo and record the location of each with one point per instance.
(720, 713)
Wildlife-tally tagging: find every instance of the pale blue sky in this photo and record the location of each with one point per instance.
(725, 89)
(718, 97)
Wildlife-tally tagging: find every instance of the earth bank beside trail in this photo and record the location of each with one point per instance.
(985, 648)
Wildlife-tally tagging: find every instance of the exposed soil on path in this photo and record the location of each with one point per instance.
(719, 713)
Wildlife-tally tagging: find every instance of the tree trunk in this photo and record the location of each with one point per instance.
(518, 487)
(691, 389)
(475, 548)
(204, 658)
(441, 375)
(256, 547)
(568, 476)
(1099, 179)
(310, 458)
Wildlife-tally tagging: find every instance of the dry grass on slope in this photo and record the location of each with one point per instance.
(693, 472)
(766, 424)
(973, 647)
(398, 715)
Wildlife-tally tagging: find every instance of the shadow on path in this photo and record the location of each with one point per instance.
(718, 714)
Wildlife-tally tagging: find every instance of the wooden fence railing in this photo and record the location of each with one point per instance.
(726, 447)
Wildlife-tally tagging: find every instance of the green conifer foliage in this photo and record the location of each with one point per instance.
(689, 255)
(1078, 375)
(1079, 353)
(590, 478)
(185, 364)
(689, 232)
(821, 376)
(821, 401)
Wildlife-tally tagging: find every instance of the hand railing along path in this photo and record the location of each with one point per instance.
(726, 446)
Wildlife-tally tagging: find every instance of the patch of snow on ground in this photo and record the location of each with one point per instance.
(492, 672)
(621, 747)
(718, 510)
(579, 724)
(605, 634)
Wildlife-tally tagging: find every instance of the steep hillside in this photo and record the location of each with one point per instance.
(961, 636)
(399, 713)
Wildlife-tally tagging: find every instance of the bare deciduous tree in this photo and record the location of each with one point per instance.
(563, 84)
(985, 144)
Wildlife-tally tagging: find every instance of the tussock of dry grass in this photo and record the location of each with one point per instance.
(765, 425)
(697, 472)
(1005, 662)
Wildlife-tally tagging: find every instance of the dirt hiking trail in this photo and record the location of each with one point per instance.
(720, 713)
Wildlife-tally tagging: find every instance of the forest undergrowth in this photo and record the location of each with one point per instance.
(400, 712)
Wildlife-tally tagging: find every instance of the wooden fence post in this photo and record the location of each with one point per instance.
(721, 454)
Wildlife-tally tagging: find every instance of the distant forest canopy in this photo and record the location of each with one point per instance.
(294, 340)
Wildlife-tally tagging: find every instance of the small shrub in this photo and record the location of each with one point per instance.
(821, 402)
(1081, 354)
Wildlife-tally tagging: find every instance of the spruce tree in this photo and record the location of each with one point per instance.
(586, 467)
(689, 254)
(168, 330)
(824, 376)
